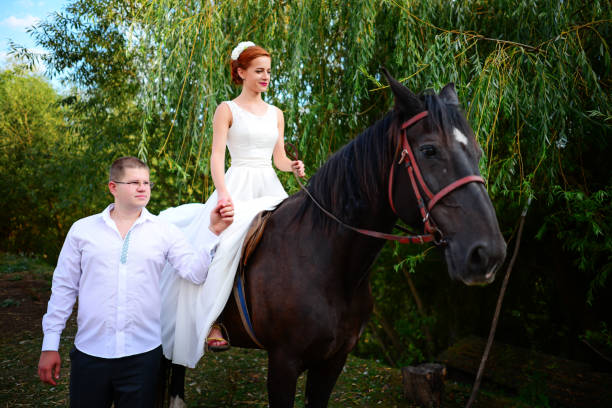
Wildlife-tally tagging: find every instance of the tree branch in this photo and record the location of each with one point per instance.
(498, 308)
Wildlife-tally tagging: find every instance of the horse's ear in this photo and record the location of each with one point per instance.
(405, 100)
(449, 95)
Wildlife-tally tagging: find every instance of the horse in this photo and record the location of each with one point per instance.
(307, 282)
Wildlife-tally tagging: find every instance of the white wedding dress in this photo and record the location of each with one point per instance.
(189, 310)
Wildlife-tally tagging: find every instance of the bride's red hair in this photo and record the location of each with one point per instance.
(244, 60)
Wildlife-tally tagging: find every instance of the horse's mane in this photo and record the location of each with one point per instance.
(355, 177)
(350, 179)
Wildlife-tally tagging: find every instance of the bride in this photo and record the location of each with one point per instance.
(253, 132)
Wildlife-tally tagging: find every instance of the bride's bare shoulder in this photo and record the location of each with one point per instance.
(223, 113)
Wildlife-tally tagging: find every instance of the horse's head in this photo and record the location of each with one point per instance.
(440, 145)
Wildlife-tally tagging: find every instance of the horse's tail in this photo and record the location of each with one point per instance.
(162, 397)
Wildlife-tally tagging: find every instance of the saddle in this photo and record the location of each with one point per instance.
(253, 237)
(251, 240)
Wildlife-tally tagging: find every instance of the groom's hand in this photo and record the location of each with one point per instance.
(221, 217)
(49, 367)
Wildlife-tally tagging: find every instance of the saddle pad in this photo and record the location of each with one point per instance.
(253, 236)
(251, 240)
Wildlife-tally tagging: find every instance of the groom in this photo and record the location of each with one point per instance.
(113, 262)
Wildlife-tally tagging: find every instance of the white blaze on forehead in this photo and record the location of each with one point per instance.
(459, 136)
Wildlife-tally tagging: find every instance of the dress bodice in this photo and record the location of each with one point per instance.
(251, 138)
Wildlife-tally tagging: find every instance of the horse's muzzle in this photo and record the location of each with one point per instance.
(484, 260)
(481, 263)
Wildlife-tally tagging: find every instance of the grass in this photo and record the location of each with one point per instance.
(236, 378)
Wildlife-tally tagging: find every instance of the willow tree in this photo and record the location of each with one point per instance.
(534, 79)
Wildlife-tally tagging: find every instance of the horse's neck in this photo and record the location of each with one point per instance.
(357, 251)
(354, 182)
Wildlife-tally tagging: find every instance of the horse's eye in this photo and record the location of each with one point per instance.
(428, 150)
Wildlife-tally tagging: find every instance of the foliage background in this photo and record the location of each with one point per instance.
(534, 79)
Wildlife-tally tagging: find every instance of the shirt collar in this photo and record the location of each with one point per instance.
(145, 215)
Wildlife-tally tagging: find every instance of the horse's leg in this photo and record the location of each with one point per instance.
(321, 380)
(177, 387)
(283, 371)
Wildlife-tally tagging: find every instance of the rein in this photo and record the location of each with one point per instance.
(432, 233)
(411, 239)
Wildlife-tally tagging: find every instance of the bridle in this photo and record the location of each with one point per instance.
(431, 231)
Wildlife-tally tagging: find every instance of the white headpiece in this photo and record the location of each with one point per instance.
(241, 47)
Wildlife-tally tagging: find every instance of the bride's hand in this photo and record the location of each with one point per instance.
(298, 167)
(224, 198)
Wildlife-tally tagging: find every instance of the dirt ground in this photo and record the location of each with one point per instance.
(24, 303)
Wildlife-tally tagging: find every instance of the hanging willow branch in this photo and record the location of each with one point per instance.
(527, 103)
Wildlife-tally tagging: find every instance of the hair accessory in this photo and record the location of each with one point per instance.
(241, 47)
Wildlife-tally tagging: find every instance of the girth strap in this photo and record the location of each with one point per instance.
(251, 241)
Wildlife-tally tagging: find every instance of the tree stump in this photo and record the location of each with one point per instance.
(424, 384)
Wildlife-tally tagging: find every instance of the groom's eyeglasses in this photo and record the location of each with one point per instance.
(135, 183)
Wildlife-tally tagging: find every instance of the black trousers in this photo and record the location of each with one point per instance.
(127, 381)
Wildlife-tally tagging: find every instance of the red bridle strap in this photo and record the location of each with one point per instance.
(453, 186)
(410, 239)
(418, 183)
(408, 151)
(429, 229)
(416, 180)
(414, 120)
(403, 143)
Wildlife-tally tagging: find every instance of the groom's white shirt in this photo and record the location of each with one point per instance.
(117, 281)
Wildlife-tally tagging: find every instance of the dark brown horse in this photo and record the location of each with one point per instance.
(307, 283)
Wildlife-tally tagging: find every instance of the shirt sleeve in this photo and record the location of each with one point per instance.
(191, 262)
(64, 291)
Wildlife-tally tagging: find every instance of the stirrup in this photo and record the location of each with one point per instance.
(223, 331)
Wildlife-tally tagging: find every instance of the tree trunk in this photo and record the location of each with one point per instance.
(389, 330)
(417, 300)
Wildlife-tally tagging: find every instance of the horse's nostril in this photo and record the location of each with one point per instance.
(478, 260)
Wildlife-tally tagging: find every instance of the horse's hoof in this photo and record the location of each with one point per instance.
(177, 402)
